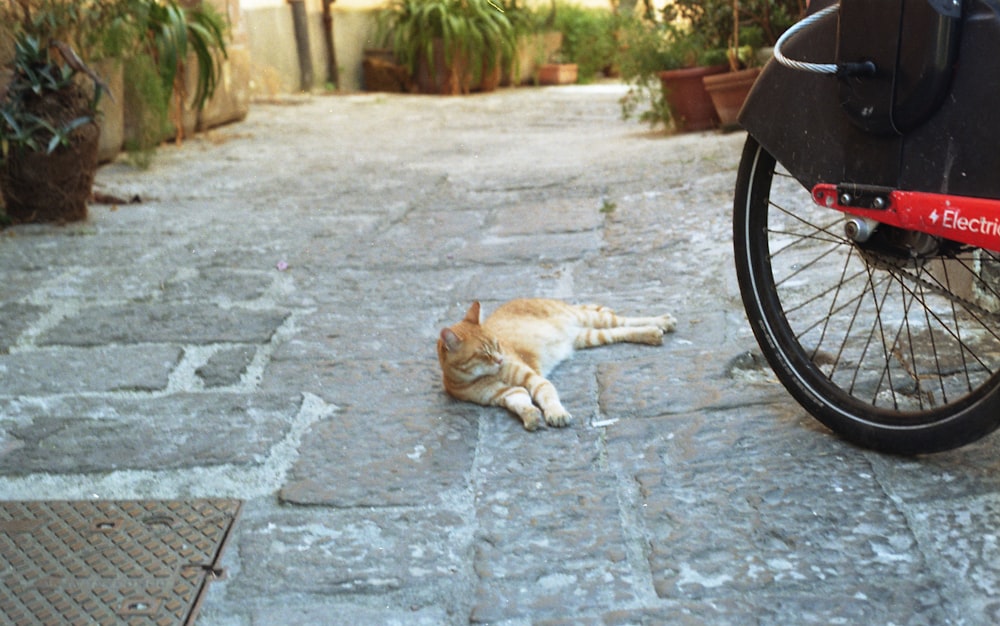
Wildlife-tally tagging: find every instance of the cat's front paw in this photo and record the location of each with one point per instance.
(667, 323)
(559, 418)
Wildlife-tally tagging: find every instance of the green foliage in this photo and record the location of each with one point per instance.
(164, 32)
(477, 31)
(690, 33)
(525, 19)
(149, 122)
(589, 38)
(761, 22)
(26, 122)
(174, 31)
(649, 47)
(96, 29)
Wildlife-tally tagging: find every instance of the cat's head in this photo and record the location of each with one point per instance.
(466, 351)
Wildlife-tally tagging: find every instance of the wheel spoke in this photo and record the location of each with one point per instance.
(893, 331)
(897, 334)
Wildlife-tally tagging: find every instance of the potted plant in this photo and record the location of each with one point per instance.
(664, 64)
(755, 24)
(589, 38)
(536, 40)
(449, 45)
(173, 71)
(49, 130)
(684, 87)
(381, 72)
(558, 71)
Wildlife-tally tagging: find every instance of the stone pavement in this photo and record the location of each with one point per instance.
(262, 326)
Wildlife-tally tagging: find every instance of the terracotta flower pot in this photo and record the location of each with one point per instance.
(557, 73)
(444, 78)
(381, 72)
(491, 76)
(728, 92)
(690, 105)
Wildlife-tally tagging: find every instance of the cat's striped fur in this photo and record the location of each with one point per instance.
(504, 360)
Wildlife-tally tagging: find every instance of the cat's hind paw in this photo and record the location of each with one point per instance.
(652, 336)
(531, 418)
(667, 323)
(558, 419)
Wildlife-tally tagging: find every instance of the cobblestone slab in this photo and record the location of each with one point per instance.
(161, 323)
(386, 457)
(962, 537)
(549, 545)
(84, 435)
(781, 521)
(109, 282)
(226, 367)
(224, 286)
(649, 385)
(15, 318)
(505, 451)
(77, 370)
(969, 472)
(311, 613)
(765, 538)
(416, 558)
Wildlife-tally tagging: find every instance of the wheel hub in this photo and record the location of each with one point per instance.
(887, 246)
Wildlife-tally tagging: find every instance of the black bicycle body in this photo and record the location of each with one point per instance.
(885, 329)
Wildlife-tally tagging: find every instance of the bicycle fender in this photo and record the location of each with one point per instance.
(798, 117)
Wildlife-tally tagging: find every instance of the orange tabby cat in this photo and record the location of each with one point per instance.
(504, 360)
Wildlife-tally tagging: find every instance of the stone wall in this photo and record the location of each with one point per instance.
(272, 44)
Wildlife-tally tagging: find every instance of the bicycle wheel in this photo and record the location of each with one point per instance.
(894, 343)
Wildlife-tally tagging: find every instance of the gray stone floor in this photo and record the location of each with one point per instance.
(262, 326)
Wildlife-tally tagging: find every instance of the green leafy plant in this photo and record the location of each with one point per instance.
(95, 29)
(48, 116)
(590, 38)
(525, 19)
(648, 47)
(174, 32)
(48, 110)
(473, 35)
(690, 33)
(761, 22)
(159, 40)
(148, 118)
(27, 121)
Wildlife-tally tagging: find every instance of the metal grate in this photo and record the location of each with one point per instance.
(141, 563)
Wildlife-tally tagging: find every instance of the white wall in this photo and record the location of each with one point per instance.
(271, 40)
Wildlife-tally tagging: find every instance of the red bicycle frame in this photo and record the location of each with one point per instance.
(972, 221)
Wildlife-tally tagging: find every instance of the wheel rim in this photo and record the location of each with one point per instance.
(869, 333)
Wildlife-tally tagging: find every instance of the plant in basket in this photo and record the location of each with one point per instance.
(48, 133)
(48, 115)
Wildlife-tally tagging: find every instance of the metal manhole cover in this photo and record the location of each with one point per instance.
(141, 563)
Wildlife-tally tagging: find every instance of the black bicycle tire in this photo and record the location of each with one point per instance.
(942, 428)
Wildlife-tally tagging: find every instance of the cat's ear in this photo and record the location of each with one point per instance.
(450, 339)
(473, 315)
